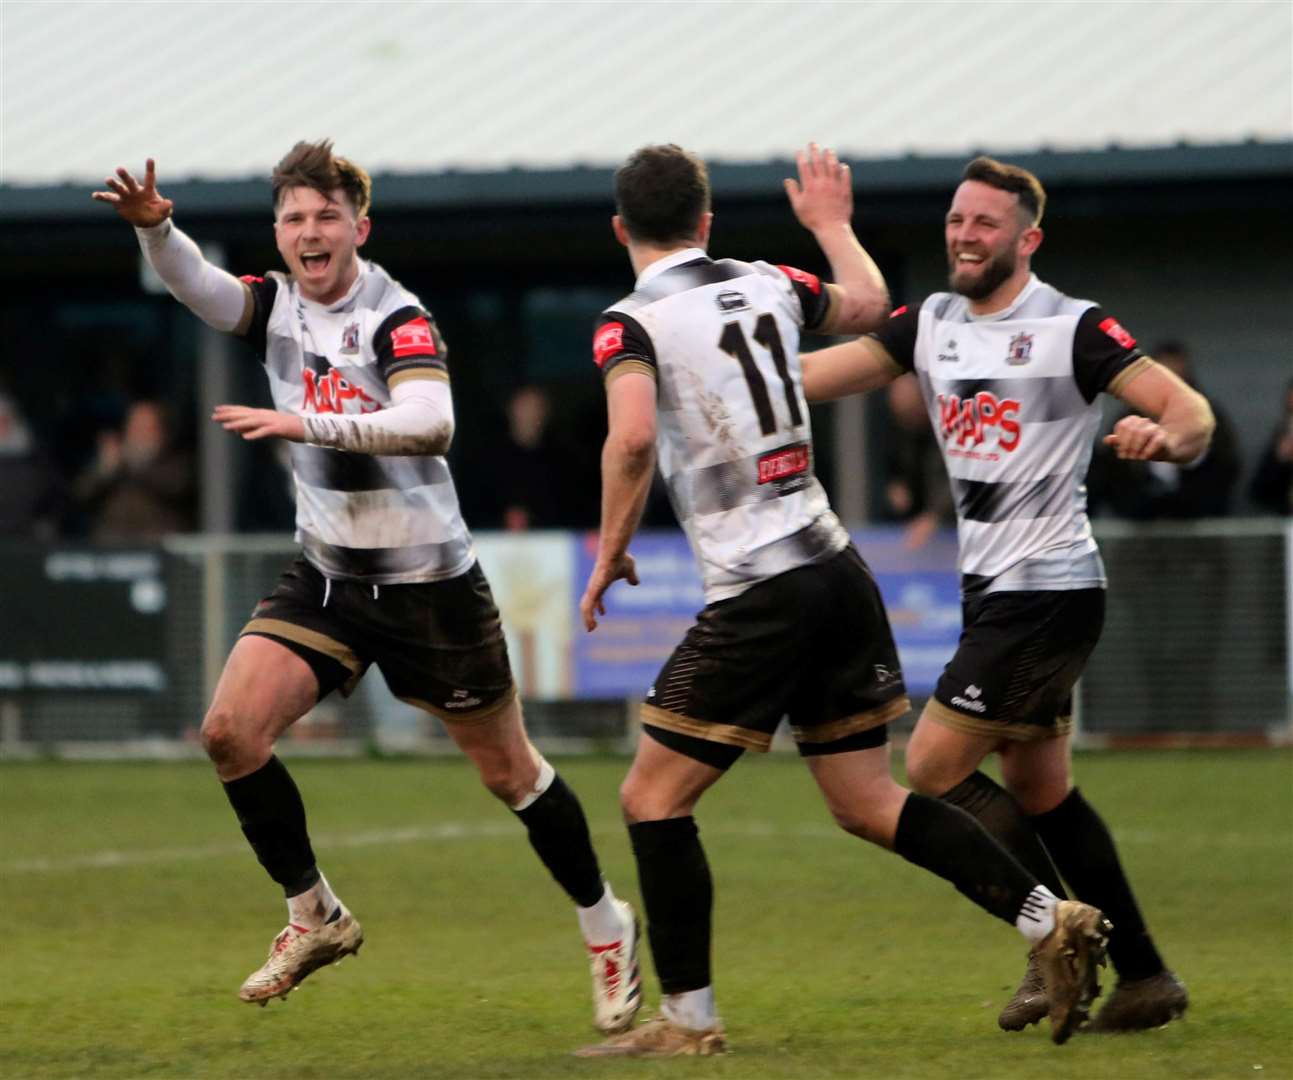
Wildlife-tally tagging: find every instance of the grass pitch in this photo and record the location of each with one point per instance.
(133, 910)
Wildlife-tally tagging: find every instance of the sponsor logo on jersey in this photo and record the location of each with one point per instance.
(968, 421)
(414, 338)
(350, 339)
(462, 700)
(782, 464)
(607, 342)
(1020, 350)
(898, 311)
(949, 357)
(1111, 327)
(331, 393)
(811, 281)
(731, 301)
(971, 700)
(251, 279)
(885, 675)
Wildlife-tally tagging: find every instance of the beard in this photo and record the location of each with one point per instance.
(991, 274)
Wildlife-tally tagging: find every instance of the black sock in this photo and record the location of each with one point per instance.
(678, 894)
(272, 817)
(559, 835)
(946, 841)
(993, 807)
(1085, 853)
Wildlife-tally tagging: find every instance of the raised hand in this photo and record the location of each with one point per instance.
(142, 206)
(823, 194)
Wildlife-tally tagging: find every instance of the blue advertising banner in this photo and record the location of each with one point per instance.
(921, 590)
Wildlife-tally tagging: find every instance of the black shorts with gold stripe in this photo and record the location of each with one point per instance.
(1014, 668)
(438, 644)
(812, 645)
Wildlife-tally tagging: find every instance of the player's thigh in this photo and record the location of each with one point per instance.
(939, 757)
(860, 792)
(848, 685)
(1039, 774)
(263, 689)
(664, 782)
(1017, 660)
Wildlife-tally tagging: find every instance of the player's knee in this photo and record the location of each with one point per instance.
(927, 775)
(224, 739)
(507, 784)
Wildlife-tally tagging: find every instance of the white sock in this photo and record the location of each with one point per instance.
(1036, 918)
(602, 923)
(541, 784)
(693, 1009)
(312, 908)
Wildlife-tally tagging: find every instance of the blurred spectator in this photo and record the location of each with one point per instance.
(916, 489)
(140, 487)
(31, 490)
(524, 473)
(1148, 490)
(1272, 487)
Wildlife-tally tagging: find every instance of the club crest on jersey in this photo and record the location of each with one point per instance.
(331, 393)
(350, 339)
(1021, 349)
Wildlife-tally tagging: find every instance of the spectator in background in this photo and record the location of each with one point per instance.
(140, 486)
(916, 490)
(1150, 490)
(31, 491)
(1272, 486)
(524, 472)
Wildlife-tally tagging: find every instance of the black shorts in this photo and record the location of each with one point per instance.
(812, 644)
(1019, 655)
(438, 644)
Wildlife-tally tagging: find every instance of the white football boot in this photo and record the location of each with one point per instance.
(296, 952)
(617, 976)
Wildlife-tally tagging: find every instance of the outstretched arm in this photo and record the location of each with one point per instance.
(1177, 423)
(628, 463)
(419, 420)
(822, 199)
(856, 367)
(216, 297)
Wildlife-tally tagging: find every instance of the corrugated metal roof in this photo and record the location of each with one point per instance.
(221, 90)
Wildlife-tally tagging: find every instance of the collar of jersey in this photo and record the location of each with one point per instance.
(345, 301)
(678, 258)
(1006, 312)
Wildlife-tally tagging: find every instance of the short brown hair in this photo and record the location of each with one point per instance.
(1032, 196)
(314, 165)
(661, 193)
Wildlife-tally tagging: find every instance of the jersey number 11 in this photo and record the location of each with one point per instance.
(732, 341)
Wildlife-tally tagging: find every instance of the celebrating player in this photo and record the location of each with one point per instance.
(1011, 369)
(701, 368)
(387, 574)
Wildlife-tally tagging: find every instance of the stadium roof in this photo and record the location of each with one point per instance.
(218, 91)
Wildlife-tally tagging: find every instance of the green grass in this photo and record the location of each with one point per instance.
(833, 959)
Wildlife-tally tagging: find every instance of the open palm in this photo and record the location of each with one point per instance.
(141, 205)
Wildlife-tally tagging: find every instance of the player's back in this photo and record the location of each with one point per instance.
(735, 444)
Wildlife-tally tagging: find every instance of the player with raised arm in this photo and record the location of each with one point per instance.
(387, 575)
(702, 372)
(1011, 370)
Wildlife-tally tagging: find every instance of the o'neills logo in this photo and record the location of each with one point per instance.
(780, 464)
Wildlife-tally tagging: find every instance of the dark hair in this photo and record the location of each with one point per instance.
(314, 165)
(1032, 196)
(661, 193)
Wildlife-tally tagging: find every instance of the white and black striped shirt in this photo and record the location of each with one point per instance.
(384, 520)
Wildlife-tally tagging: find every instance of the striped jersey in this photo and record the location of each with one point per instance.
(734, 446)
(1012, 398)
(363, 517)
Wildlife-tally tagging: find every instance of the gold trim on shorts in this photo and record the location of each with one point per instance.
(851, 725)
(312, 639)
(625, 366)
(982, 725)
(471, 716)
(1128, 373)
(720, 733)
(433, 373)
